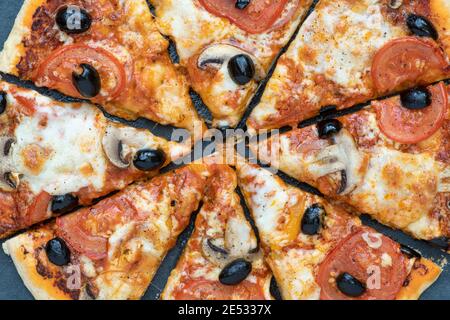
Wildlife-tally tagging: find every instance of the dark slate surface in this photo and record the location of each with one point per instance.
(11, 286)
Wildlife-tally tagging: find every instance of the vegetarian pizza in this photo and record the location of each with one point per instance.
(222, 260)
(108, 51)
(390, 160)
(318, 251)
(113, 249)
(56, 156)
(228, 46)
(348, 52)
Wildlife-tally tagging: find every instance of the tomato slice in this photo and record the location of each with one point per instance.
(355, 256)
(412, 126)
(257, 17)
(214, 290)
(38, 211)
(406, 62)
(56, 71)
(86, 231)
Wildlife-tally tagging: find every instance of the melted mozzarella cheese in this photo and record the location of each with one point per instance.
(70, 140)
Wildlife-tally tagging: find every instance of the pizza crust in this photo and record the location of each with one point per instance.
(13, 48)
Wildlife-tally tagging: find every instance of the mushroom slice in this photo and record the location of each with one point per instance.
(9, 181)
(344, 157)
(395, 4)
(6, 145)
(217, 56)
(213, 250)
(121, 143)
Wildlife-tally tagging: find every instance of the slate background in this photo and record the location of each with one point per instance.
(12, 288)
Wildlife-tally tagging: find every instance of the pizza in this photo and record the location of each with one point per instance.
(112, 249)
(222, 260)
(228, 47)
(317, 250)
(108, 51)
(387, 160)
(348, 52)
(56, 156)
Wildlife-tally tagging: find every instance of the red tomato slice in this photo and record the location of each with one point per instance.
(56, 71)
(86, 231)
(257, 17)
(412, 126)
(38, 211)
(354, 256)
(405, 62)
(214, 290)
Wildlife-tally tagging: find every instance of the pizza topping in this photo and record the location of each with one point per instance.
(57, 252)
(216, 248)
(149, 159)
(11, 179)
(256, 17)
(407, 61)
(235, 272)
(62, 204)
(274, 289)
(312, 219)
(354, 265)
(420, 26)
(349, 285)
(328, 128)
(124, 145)
(73, 19)
(416, 98)
(242, 4)
(412, 126)
(57, 71)
(240, 66)
(2, 102)
(342, 156)
(409, 252)
(88, 82)
(241, 69)
(199, 289)
(395, 4)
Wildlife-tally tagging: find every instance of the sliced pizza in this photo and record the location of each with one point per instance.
(108, 51)
(348, 52)
(228, 46)
(55, 156)
(391, 160)
(319, 251)
(113, 249)
(222, 260)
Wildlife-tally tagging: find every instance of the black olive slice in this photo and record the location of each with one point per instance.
(57, 252)
(409, 252)
(328, 128)
(73, 19)
(416, 98)
(421, 26)
(242, 4)
(63, 203)
(88, 82)
(312, 219)
(274, 289)
(235, 272)
(3, 101)
(349, 285)
(242, 69)
(149, 159)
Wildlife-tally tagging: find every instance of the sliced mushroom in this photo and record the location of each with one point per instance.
(9, 179)
(239, 241)
(217, 56)
(343, 157)
(120, 144)
(395, 4)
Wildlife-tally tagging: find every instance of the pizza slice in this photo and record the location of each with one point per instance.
(318, 251)
(55, 156)
(108, 51)
(222, 260)
(113, 249)
(348, 52)
(390, 160)
(228, 46)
